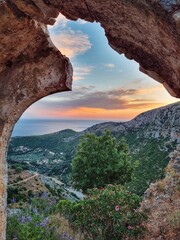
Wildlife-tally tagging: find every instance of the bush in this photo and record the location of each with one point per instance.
(108, 213)
(34, 221)
(18, 168)
(30, 193)
(15, 194)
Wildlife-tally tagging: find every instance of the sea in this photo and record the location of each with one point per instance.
(32, 127)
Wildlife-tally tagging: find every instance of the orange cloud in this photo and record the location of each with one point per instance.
(86, 102)
(96, 113)
(71, 43)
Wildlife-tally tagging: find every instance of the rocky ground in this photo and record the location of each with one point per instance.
(162, 203)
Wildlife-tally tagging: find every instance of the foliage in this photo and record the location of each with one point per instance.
(33, 222)
(108, 213)
(100, 161)
(18, 169)
(15, 193)
(38, 148)
(152, 153)
(153, 159)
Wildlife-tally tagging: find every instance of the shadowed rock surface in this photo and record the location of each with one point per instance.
(146, 31)
(30, 68)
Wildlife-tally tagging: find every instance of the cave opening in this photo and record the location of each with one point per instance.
(7, 123)
(103, 80)
(107, 88)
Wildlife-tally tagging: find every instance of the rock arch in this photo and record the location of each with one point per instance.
(147, 31)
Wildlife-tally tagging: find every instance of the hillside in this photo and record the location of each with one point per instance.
(151, 137)
(162, 203)
(24, 185)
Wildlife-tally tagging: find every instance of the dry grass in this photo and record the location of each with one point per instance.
(33, 185)
(174, 220)
(63, 226)
(160, 186)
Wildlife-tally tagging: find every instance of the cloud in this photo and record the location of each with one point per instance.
(85, 101)
(109, 65)
(81, 72)
(81, 21)
(100, 102)
(71, 43)
(78, 92)
(88, 97)
(122, 92)
(61, 20)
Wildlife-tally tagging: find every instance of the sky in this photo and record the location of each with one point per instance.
(106, 85)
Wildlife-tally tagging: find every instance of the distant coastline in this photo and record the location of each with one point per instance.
(30, 127)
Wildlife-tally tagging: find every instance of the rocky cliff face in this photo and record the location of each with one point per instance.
(147, 31)
(158, 123)
(30, 68)
(162, 203)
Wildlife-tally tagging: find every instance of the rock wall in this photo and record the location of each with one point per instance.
(162, 203)
(30, 68)
(147, 31)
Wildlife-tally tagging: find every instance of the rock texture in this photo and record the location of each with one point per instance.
(147, 31)
(30, 68)
(162, 203)
(158, 123)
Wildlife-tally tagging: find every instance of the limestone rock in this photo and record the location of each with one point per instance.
(157, 124)
(31, 67)
(162, 203)
(144, 30)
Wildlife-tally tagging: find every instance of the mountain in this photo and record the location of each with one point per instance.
(158, 123)
(151, 137)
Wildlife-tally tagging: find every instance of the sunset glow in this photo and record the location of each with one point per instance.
(106, 85)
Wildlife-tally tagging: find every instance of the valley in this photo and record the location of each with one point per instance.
(151, 136)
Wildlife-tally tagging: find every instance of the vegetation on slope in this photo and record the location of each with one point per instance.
(151, 137)
(108, 213)
(152, 155)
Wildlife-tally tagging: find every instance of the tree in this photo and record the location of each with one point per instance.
(100, 161)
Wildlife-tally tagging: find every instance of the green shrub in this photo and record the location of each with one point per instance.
(15, 194)
(108, 213)
(33, 222)
(18, 169)
(30, 193)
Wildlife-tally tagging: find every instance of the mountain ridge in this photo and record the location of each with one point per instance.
(151, 136)
(148, 117)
